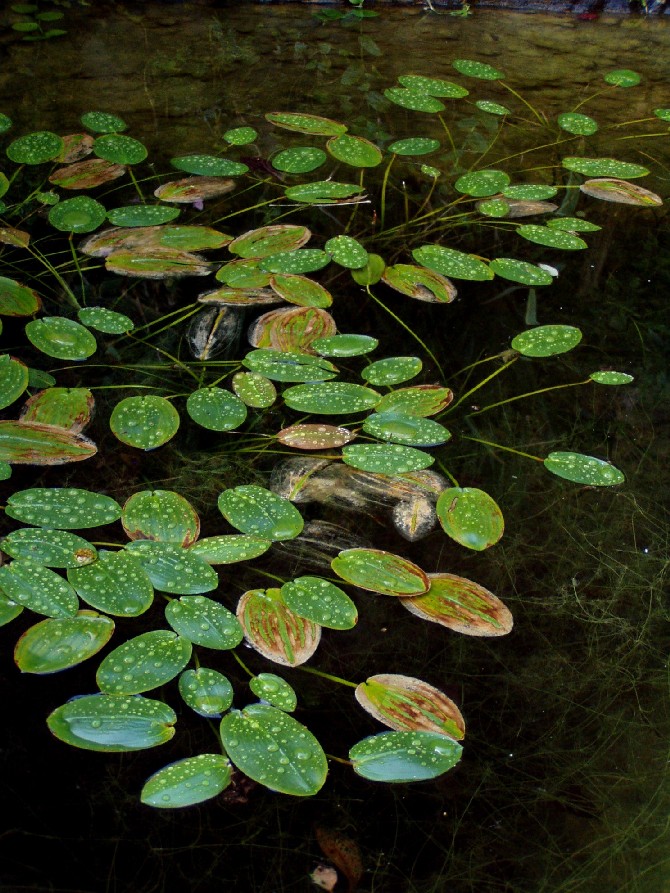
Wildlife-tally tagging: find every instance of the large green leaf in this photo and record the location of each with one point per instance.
(57, 644)
(69, 408)
(406, 703)
(546, 341)
(379, 571)
(35, 148)
(144, 422)
(174, 569)
(187, 782)
(321, 601)
(551, 237)
(404, 756)
(461, 605)
(414, 100)
(204, 621)
(331, 398)
(144, 662)
(110, 723)
(50, 548)
(160, 515)
(274, 749)
(256, 510)
(450, 262)
(206, 691)
(115, 584)
(27, 583)
(604, 167)
(64, 339)
(470, 517)
(520, 271)
(216, 409)
(65, 508)
(276, 632)
(299, 159)
(583, 469)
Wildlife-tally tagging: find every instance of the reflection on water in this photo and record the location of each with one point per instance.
(563, 784)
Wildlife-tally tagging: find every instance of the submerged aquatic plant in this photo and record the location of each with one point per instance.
(184, 381)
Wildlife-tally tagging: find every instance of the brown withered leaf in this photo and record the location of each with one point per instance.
(343, 852)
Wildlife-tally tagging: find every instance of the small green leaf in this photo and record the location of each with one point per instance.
(57, 644)
(108, 321)
(622, 77)
(142, 215)
(432, 86)
(35, 148)
(204, 621)
(481, 184)
(419, 401)
(299, 160)
(470, 517)
(303, 123)
(216, 409)
(392, 370)
(13, 380)
(530, 192)
(120, 149)
(240, 136)
(302, 260)
(144, 422)
(347, 252)
(77, 215)
(144, 662)
(258, 511)
(414, 145)
(611, 378)
(520, 271)
(267, 240)
(404, 756)
(473, 69)
(345, 345)
(230, 548)
(323, 192)
(206, 691)
(493, 108)
(275, 691)
(546, 341)
(604, 167)
(580, 125)
(300, 290)
(65, 508)
(103, 122)
(17, 299)
(174, 569)
(278, 365)
(354, 150)
(553, 238)
(371, 272)
(573, 224)
(320, 601)
(187, 782)
(379, 571)
(274, 749)
(583, 469)
(414, 100)
(254, 389)
(209, 166)
(61, 338)
(397, 427)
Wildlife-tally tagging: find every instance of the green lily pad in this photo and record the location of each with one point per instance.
(254, 389)
(520, 271)
(61, 338)
(103, 122)
(69, 408)
(267, 240)
(206, 691)
(34, 443)
(610, 189)
(379, 571)
(371, 272)
(144, 662)
(345, 345)
(174, 569)
(611, 378)
(216, 409)
(450, 262)
(414, 100)
(580, 125)
(404, 756)
(187, 782)
(354, 150)
(142, 215)
(115, 584)
(204, 621)
(322, 192)
(470, 517)
(209, 166)
(300, 290)
(13, 379)
(481, 184)
(258, 511)
(583, 469)
(414, 145)
(274, 749)
(604, 167)
(273, 630)
(397, 427)
(420, 283)
(553, 238)
(494, 207)
(419, 401)
(546, 341)
(304, 123)
(230, 548)
(113, 724)
(299, 160)
(144, 422)
(5, 123)
(17, 299)
(103, 320)
(529, 192)
(462, 606)
(320, 601)
(622, 77)
(275, 691)
(392, 370)
(162, 516)
(120, 149)
(77, 215)
(278, 365)
(50, 548)
(347, 252)
(433, 86)
(240, 136)
(493, 108)
(386, 458)
(27, 583)
(302, 260)
(57, 644)
(473, 69)
(331, 398)
(35, 148)
(65, 508)
(406, 703)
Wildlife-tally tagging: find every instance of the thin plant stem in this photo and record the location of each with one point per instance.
(479, 385)
(556, 387)
(382, 216)
(528, 105)
(445, 127)
(135, 183)
(499, 446)
(330, 676)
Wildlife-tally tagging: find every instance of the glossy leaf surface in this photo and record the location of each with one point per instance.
(160, 515)
(206, 691)
(115, 584)
(204, 621)
(321, 601)
(50, 548)
(470, 517)
(174, 569)
(27, 583)
(406, 703)
(583, 469)
(143, 662)
(144, 422)
(187, 782)
(275, 690)
(57, 644)
(404, 756)
(258, 511)
(65, 508)
(461, 605)
(379, 571)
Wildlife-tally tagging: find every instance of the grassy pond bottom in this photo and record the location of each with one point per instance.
(563, 785)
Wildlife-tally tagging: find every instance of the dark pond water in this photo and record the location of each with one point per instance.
(563, 783)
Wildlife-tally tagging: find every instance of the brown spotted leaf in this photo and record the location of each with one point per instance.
(33, 443)
(193, 189)
(314, 437)
(87, 174)
(291, 329)
(69, 408)
(273, 630)
(462, 605)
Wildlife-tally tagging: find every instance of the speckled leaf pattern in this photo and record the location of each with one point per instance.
(414, 145)
(27, 583)
(520, 271)
(103, 122)
(187, 782)
(420, 283)
(142, 215)
(13, 379)
(315, 437)
(291, 329)
(345, 345)
(144, 662)
(386, 458)
(404, 756)
(530, 192)
(354, 150)
(113, 724)
(304, 123)
(391, 370)
(206, 691)
(331, 398)
(470, 517)
(483, 183)
(209, 166)
(603, 167)
(267, 240)
(493, 108)
(583, 469)
(258, 511)
(379, 571)
(107, 321)
(622, 77)
(406, 703)
(57, 644)
(322, 192)
(347, 252)
(50, 548)
(473, 69)
(276, 632)
(461, 605)
(69, 408)
(552, 238)
(115, 584)
(610, 189)
(65, 508)
(77, 215)
(204, 621)
(240, 136)
(254, 389)
(274, 749)
(299, 159)
(174, 569)
(35, 148)
(573, 224)
(611, 378)
(301, 260)
(580, 125)
(546, 341)
(420, 401)
(230, 548)
(216, 409)
(61, 338)
(160, 515)
(319, 600)
(8, 610)
(300, 290)
(119, 149)
(144, 422)
(275, 691)
(415, 100)
(289, 365)
(397, 427)
(450, 262)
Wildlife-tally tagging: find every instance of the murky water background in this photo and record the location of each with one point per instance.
(563, 785)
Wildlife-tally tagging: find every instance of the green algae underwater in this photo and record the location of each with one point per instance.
(350, 453)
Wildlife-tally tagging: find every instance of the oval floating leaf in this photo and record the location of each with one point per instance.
(520, 271)
(267, 240)
(35, 148)
(143, 662)
(354, 150)
(50, 548)
(204, 621)
(300, 290)
(107, 321)
(609, 189)
(331, 398)
(142, 215)
(414, 100)
(404, 756)
(258, 511)
(392, 370)
(493, 108)
(299, 160)
(302, 260)
(57, 644)
(187, 782)
(216, 409)
(174, 569)
(622, 77)
(404, 429)
(275, 691)
(13, 380)
(61, 338)
(604, 167)
(17, 299)
(473, 69)
(77, 215)
(470, 517)
(462, 606)
(419, 401)
(103, 122)
(450, 262)
(530, 192)
(254, 389)
(420, 283)
(347, 252)
(580, 125)
(379, 571)
(320, 601)
(553, 238)
(414, 145)
(304, 123)
(583, 469)
(144, 422)
(546, 341)
(344, 345)
(65, 508)
(230, 548)
(27, 583)
(33, 443)
(323, 192)
(291, 329)
(206, 691)
(611, 378)
(160, 515)
(115, 584)
(385, 458)
(279, 365)
(209, 166)
(274, 631)
(481, 184)
(119, 149)
(314, 437)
